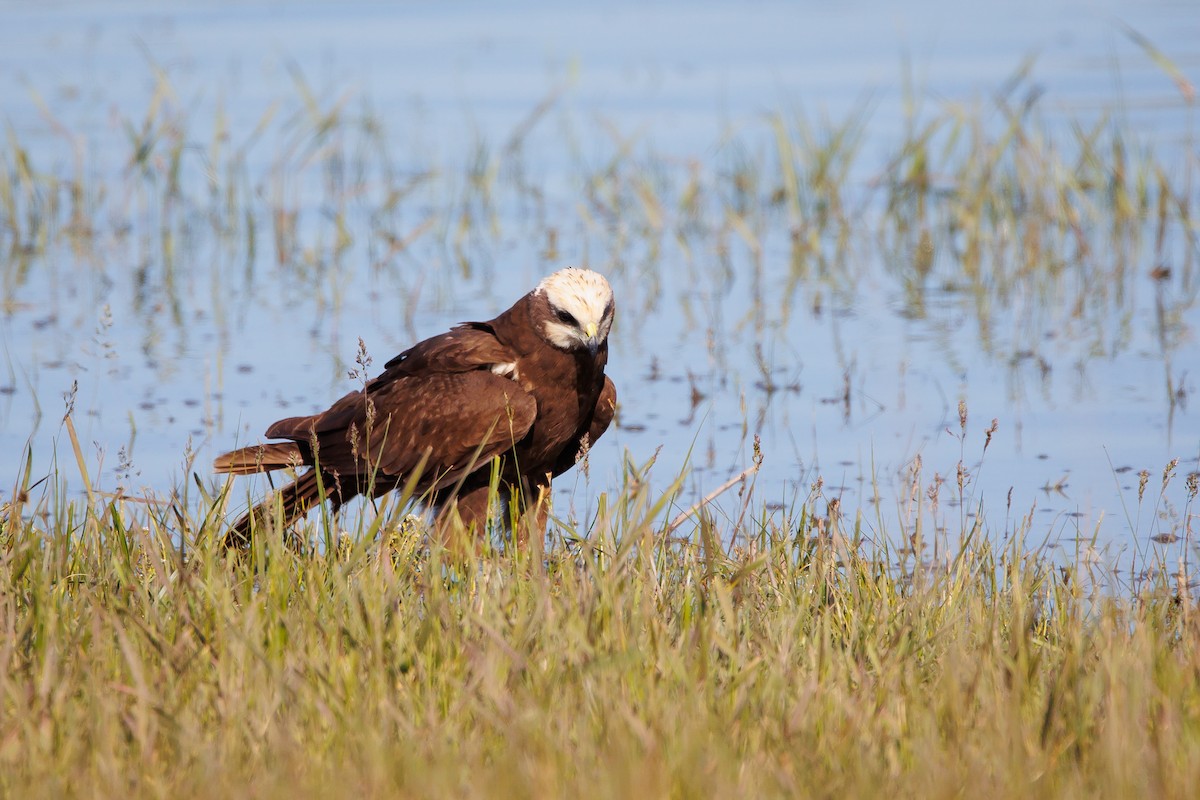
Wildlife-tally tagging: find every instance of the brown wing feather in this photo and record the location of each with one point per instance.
(451, 421)
(461, 420)
(337, 417)
(469, 347)
(465, 347)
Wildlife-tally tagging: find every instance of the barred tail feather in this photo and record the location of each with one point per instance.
(260, 458)
(295, 500)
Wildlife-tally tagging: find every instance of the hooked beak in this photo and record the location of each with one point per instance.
(593, 344)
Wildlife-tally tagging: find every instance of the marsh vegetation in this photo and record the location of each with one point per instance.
(633, 657)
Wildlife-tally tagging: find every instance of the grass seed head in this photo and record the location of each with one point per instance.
(1169, 472)
(991, 430)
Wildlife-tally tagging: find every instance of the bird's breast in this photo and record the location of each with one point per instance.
(565, 388)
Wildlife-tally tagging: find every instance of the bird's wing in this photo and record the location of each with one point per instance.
(444, 393)
(602, 417)
(452, 422)
(466, 347)
(456, 422)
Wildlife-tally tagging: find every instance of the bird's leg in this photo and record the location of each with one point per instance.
(531, 526)
(462, 523)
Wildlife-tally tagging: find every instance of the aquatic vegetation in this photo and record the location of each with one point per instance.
(770, 653)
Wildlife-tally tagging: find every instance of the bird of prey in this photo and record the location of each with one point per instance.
(527, 388)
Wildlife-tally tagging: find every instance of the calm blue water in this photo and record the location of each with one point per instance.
(171, 353)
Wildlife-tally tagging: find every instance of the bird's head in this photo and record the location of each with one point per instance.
(579, 306)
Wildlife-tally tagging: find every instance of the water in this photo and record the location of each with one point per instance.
(183, 337)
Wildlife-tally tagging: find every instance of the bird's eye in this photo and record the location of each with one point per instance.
(566, 317)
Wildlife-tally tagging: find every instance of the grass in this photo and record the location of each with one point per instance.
(639, 658)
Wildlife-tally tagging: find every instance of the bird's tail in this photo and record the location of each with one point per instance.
(294, 500)
(260, 458)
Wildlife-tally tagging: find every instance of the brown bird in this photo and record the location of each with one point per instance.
(527, 388)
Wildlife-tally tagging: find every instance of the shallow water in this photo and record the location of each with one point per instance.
(188, 329)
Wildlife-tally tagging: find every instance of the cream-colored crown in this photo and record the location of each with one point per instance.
(584, 295)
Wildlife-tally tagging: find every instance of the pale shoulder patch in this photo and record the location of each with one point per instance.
(506, 370)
